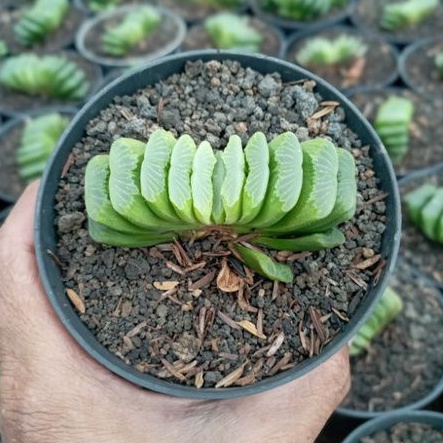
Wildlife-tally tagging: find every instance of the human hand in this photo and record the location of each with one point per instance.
(52, 392)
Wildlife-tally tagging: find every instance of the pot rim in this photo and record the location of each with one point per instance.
(117, 62)
(45, 235)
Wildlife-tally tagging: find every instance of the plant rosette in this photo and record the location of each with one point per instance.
(423, 254)
(221, 344)
(194, 11)
(422, 132)
(34, 88)
(109, 38)
(421, 67)
(334, 14)
(12, 181)
(344, 56)
(409, 426)
(251, 34)
(399, 369)
(24, 29)
(422, 24)
(91, 7)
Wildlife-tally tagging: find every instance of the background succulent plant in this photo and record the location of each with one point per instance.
(425, 210)
(51, 75)
(102, 5)
(231, 31)
(3, 48)
(302, 10)
(439, 64)
(40, 20)
(323, 51)
(398, 16)
(38, 140)
(281, 195)
(389, 306)
(135, 26)
(392, 123)
(221, 3)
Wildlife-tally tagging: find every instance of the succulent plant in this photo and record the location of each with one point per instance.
(389, 306)
(219, 3)
(38, 140)
(392, 123)
(50, 75)
(302, 10)
(3, 48)
(397, 16)
(102, 5)
(40, 20)
(424, 206)
(230, 31)
(323, 51)
(285, 194)
(136, 26)
(439, 64)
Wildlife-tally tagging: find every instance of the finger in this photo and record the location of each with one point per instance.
(19, 226)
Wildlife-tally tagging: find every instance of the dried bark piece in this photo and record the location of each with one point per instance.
(251, 328)
(76, 300)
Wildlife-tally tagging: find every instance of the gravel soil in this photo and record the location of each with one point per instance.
(426, 130)
(191, 333)
(60, 38)
(199, 38)
(401, 366)
(407, 432)
(375, 69)
(367, 16)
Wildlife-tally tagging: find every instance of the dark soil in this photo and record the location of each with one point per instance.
(157, 39)
(60, 38)
(407, 432)
(11, 185)
(13, 102)
(333, 16)
(426, 131)
(421, 72)
(424, 255)
(192, 327)
(367, 15)
(402, 365)
(376, 69)
(198, 38)
(191, 11)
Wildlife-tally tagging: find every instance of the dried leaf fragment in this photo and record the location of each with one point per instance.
(165, 285)
(231, 378)
(76, 300)
(250, 327)
(276, 344)
(227, 280)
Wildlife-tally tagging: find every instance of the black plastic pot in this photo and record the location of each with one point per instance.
(390, 419)
(402, 39)
(46, 236)
(292, 25)
(3, 215)
(372, 41)
(122, 62)
(423, 104)
(420, 47)
(35, 103)
(12, 124)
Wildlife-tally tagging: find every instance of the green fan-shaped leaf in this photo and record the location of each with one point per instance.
(264, 265)
(319, 192)
(201, 182)
(179, 178)
(218, 177)
(231, 192)
(103, 234)
(125, 159)
(312, 242)
(285, 182)
(417, 199)
(431, 214)
(154, 174)
(346, 201)
(98, 203)
(257, 177)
